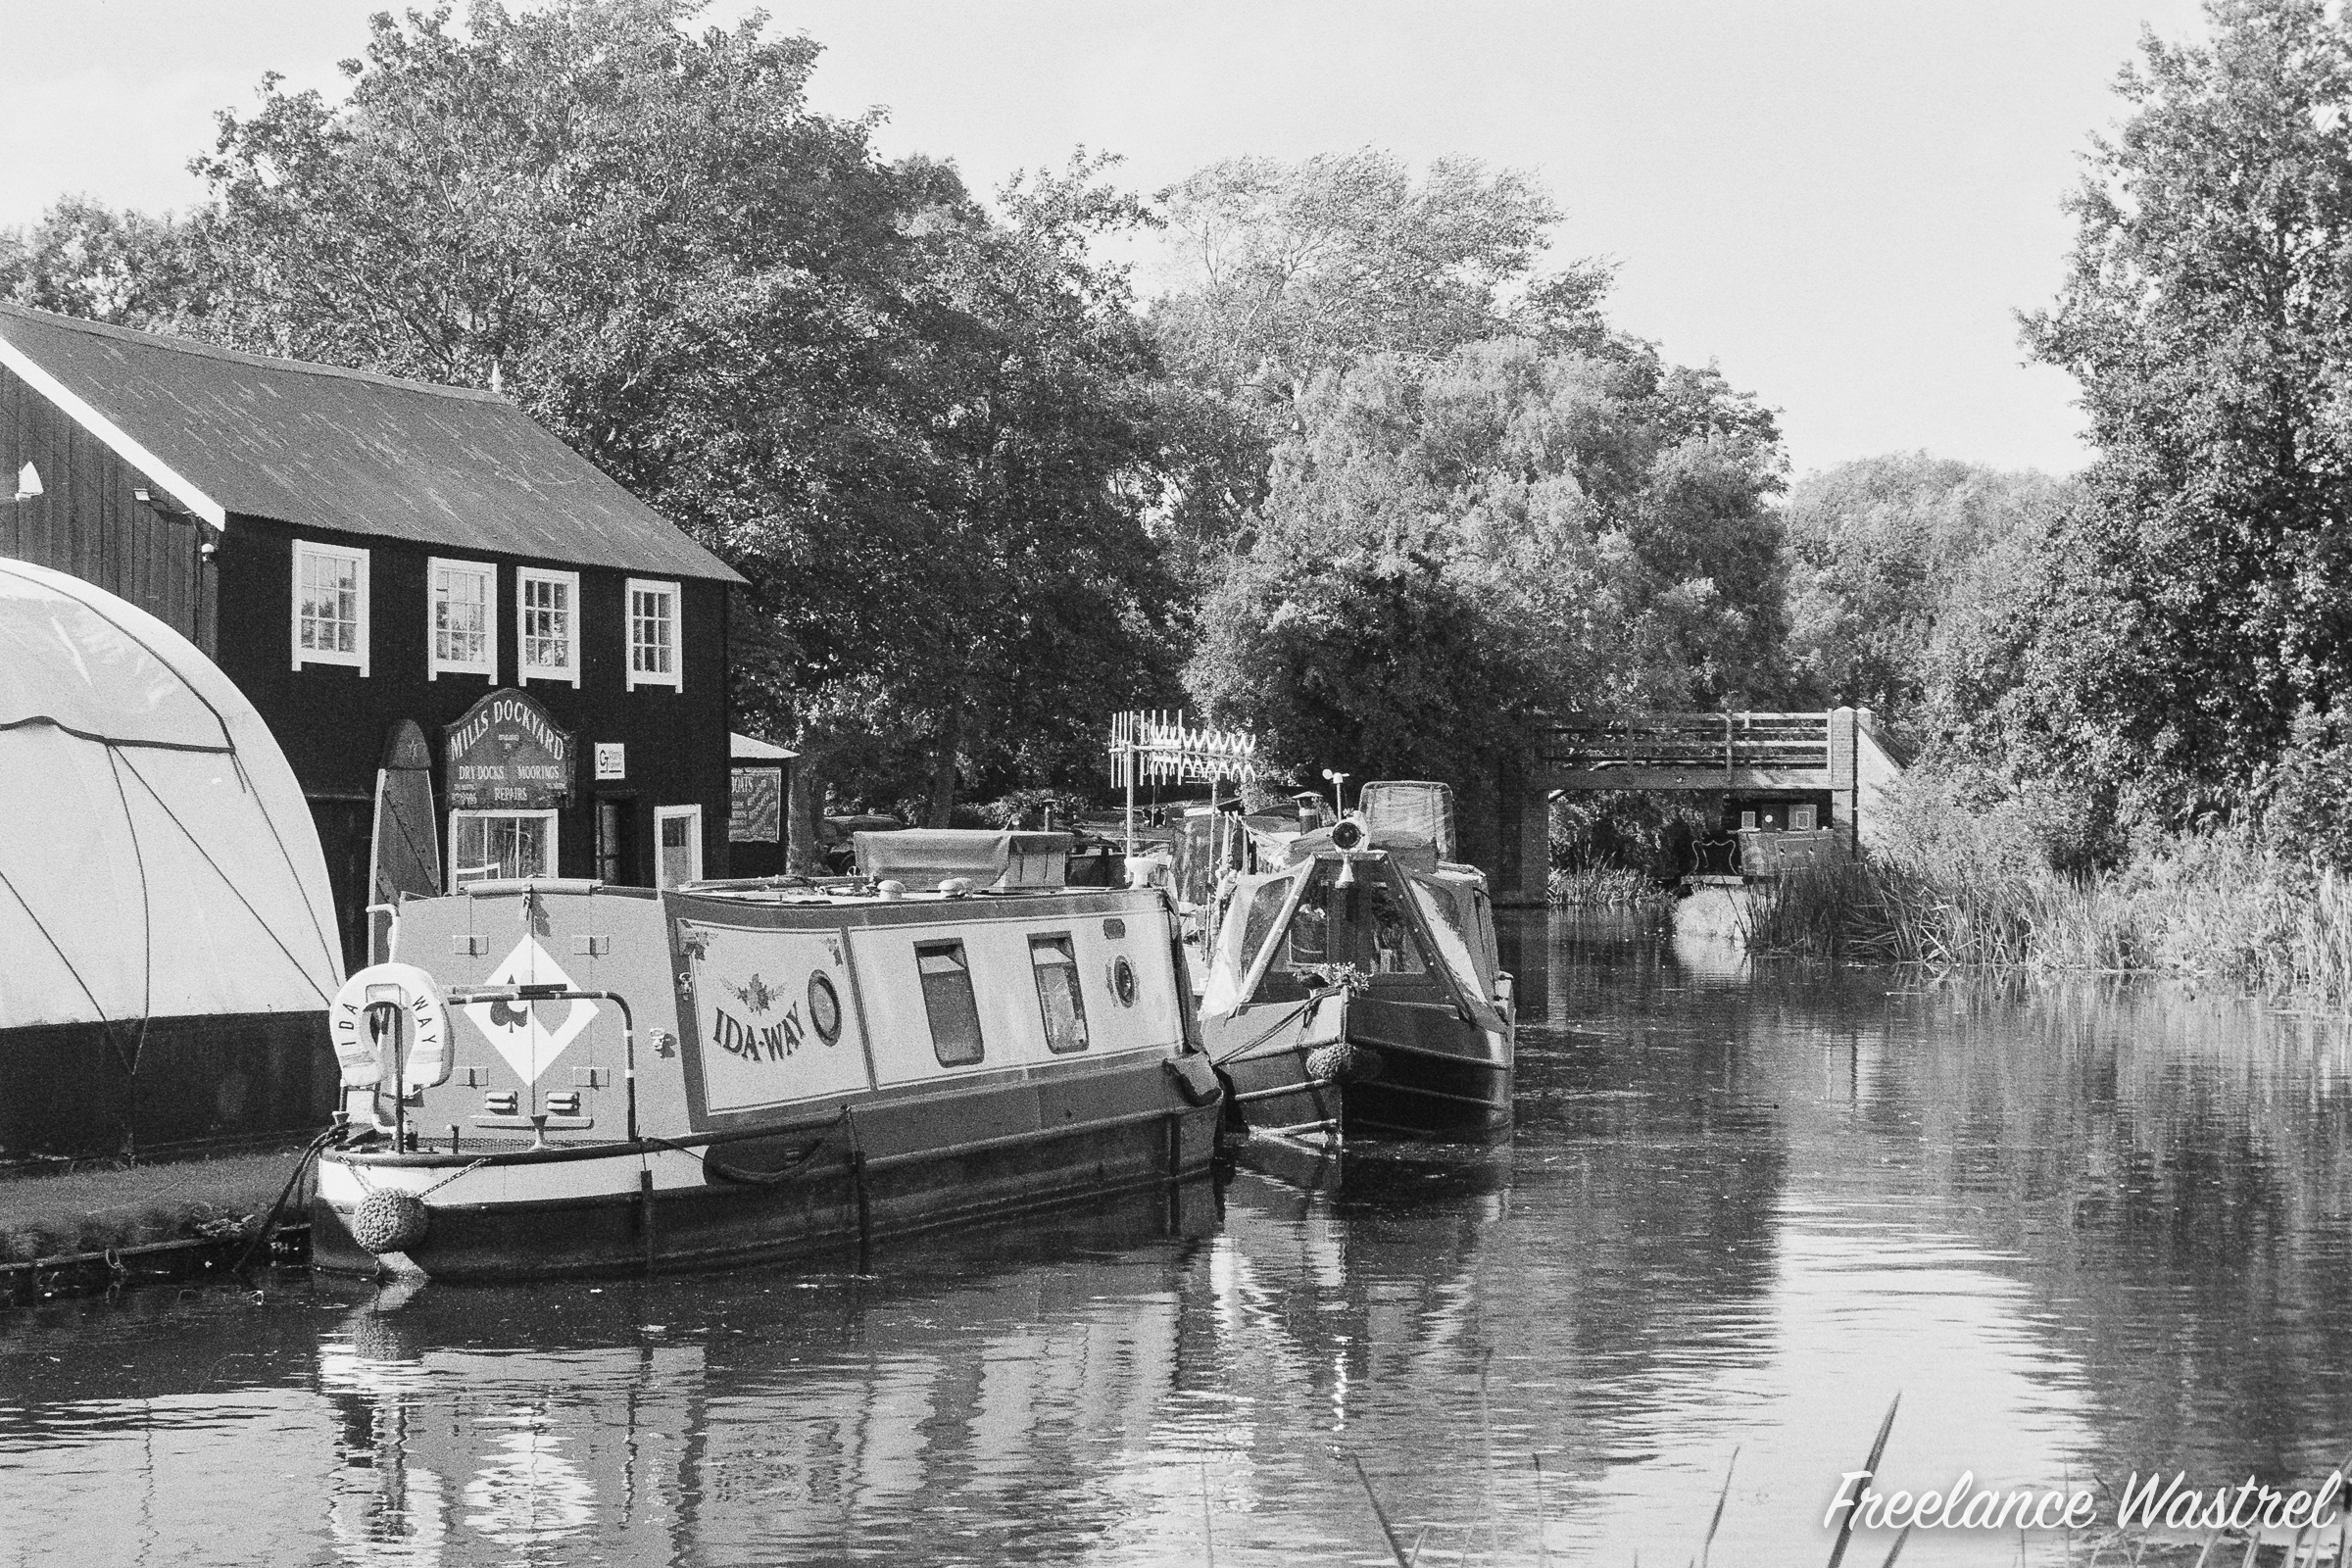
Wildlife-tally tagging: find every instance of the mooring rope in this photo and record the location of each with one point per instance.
(761, 1178)
(310, 1155)
(1276, 1026)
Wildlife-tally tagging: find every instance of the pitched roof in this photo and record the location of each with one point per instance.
(321, 447)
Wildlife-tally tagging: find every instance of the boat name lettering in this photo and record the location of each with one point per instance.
(771, 1044)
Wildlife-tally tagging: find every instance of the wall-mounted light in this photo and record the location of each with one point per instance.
(28, 482)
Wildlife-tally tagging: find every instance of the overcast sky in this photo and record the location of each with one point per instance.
(1841, 204)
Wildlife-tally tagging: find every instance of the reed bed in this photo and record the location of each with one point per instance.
(1606, 887)
(2219, 910)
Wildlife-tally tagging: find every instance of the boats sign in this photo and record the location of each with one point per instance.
(505, 751)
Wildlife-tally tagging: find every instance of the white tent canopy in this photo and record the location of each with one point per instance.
(157, 857)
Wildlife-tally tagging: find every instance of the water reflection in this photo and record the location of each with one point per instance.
(2082, 1228)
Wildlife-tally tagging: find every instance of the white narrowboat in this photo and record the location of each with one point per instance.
(564, 1077)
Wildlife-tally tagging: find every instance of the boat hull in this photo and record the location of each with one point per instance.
(1410, 1072)
(611, 1214)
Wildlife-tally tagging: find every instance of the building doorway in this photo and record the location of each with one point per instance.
(680, 832)
(346, 837)
(616, 842)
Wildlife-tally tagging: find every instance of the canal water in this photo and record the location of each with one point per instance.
(2083, 1231)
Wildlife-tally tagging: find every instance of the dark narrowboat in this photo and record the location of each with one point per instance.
(1355, 989)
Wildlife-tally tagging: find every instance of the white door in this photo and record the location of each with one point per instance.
(680, 831)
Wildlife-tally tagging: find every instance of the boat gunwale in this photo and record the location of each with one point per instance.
(620, 1149)
(1262, 1051)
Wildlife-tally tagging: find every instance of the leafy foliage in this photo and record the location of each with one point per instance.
(924, 435)
(1288, 271)
(1901, 567)
(123, 267)
(2209, 319)
(1452, 547)
(1309, 267)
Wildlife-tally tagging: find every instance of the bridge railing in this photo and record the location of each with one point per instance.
(1728, 743)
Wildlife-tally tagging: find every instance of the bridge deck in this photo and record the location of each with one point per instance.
(1699, 752)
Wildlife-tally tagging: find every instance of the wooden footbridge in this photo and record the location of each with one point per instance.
(1833, 753)
(1739, 753)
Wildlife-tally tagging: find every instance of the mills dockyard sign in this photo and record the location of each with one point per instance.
(505, 751)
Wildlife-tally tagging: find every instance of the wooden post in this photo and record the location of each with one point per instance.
(1845, 792)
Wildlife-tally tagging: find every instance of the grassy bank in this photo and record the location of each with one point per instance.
(93, 1210)
(2215, 908)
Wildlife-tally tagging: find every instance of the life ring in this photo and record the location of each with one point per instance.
(427, 1022)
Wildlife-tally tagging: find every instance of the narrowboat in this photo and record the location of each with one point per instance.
(561, 1077)
(1355, 988)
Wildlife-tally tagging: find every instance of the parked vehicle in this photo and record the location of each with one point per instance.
(562, 1077)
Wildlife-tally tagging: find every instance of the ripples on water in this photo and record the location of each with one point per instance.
(2083, 1230)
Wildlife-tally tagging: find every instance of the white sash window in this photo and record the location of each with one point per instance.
(330, 605)
(547, 625)
(654, 656)
(462, 602)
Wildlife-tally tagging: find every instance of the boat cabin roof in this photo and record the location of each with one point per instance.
(833, 890)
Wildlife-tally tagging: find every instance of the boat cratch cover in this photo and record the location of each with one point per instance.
(158, 860)
(924, 859)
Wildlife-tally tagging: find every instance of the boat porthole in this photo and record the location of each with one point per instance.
(824, 1008)
(1122, 982)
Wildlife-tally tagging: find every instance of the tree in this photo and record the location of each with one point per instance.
(916, 428)
(1453, 547)
(2208, 316)
(1303, 267)
(123, 267)
(1289, 270)
(1887, 557)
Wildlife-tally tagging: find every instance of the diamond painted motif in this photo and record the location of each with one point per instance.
(523, 1033)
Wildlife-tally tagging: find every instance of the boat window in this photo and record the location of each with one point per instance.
(1058, 993)
(1384, 943)
(1441, 904)
(1461, 947)
(948, 999)
(1265, 908)
(1362, 926)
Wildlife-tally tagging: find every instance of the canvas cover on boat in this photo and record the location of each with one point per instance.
(924, 858)
(158, 860)
(1410, 806)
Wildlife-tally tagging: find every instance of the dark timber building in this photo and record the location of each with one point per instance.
(356, 551)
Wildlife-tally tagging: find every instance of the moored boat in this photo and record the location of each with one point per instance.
(564, 1077)
(1355, 989)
